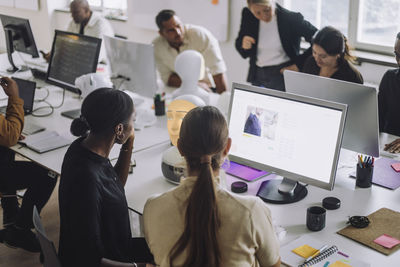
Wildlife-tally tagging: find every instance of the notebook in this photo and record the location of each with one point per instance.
(26, 92)
(307, 245)
(384, 175)
(45, 141)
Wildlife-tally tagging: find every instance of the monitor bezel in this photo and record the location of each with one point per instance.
(27, 26)
(302, 99)
(61, 84)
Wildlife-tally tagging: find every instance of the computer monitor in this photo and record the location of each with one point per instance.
(361, 132)
(133, 62)
(19, 38)
(72, 55)
(296, 137)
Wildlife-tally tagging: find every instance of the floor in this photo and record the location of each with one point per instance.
(10, 257)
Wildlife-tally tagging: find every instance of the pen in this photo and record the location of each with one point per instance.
(316, 253)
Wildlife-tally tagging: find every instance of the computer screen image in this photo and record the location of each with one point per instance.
(19, 38)
(296, 137)
(72, 55)
(134, 64)
(361, 133)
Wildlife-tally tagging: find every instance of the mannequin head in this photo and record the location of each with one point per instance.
(177, 110)
(189, 65)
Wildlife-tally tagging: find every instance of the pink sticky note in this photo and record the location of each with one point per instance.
(387, 241)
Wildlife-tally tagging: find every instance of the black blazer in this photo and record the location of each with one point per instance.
(291, 27)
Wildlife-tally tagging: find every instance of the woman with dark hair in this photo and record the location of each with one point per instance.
(94, 219)
(199, 223)
(270, 36)
(331, 57)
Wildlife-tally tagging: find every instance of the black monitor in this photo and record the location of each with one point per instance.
(19, 38)
(72, 55)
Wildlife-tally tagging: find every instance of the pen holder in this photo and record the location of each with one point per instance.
(364, 176)
(159, 107)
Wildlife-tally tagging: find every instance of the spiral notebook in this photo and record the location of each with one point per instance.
(306, 246)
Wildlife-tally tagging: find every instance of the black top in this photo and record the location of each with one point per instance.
(94, 219)
(346, 71)
(388, 103)
(291, 27)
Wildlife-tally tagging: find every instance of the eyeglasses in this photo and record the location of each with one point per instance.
(358, 221)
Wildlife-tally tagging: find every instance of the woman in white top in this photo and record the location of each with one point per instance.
(270, 36)
(199, 223)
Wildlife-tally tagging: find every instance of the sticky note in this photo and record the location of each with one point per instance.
(305, 251)
(214, 2)
(339, 264)
(387, 241)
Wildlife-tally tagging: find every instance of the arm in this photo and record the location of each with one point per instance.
(220, 83)
(247, 23)
(307, 30)
(264, 236)
(124, 160)
(174, 80)
(11, 125)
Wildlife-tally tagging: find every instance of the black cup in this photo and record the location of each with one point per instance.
(316, 217)
(364, 176)
(159, 107)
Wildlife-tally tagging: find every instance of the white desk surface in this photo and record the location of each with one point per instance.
(52, 160)
(148, 180)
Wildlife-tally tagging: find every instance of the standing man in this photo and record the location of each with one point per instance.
(176, 37)
(16, 175)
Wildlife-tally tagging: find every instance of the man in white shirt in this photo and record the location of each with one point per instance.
(176, 37)
(85, 21)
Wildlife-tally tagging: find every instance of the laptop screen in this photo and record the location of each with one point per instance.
(27, 93)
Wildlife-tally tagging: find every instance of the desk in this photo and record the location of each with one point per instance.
(147, 180)
(52, 160)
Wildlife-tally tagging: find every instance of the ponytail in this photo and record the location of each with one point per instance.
(202, 138)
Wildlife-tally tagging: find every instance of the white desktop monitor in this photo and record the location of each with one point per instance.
(293, 136)
(134, 63)
(361, 132)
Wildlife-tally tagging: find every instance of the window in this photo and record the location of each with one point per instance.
(368, 24)
(108, 4)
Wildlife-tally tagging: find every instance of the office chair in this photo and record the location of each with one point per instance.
(48, 249)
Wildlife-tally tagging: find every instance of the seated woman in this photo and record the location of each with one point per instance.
(199, 223)
(331, 57)
(94, 220)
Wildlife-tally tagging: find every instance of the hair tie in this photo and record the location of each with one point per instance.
(206, 159)
(83, 119)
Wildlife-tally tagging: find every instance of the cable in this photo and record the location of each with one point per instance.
(44, 98)
(49, 105)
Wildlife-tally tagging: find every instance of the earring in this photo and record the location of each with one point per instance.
(120, 137)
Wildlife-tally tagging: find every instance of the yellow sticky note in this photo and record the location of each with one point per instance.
(214, 2)
(339, 264)
(305, 251)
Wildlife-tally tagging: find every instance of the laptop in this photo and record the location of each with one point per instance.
(26, 92)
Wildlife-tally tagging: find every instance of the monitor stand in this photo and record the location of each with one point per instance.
(10, 50)
(279, 191)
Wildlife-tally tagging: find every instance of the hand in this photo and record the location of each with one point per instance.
(129, 142)
(291, 67)
(10, 87)
(393, 147)
(205, 85)
(46, 56)
(21, 137)
(247, 42)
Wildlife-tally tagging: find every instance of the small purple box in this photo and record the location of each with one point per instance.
(243, 172)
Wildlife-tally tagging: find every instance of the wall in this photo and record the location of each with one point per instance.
(237, 67)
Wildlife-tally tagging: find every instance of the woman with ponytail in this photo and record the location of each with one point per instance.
(199, 223)
(331, 57)
(94, 220)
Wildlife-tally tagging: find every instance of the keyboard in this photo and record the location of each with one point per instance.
(39, 74)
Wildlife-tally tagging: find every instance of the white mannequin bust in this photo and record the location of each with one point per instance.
(189, 65)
